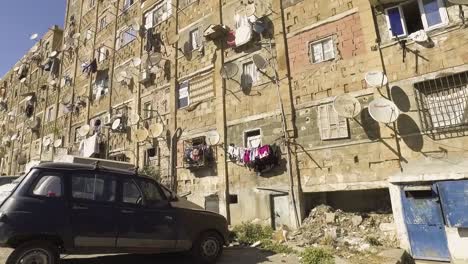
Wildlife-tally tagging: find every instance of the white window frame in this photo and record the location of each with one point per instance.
(149, 16)
(124, 31)
(102, 53)
(194, 37)
(253, 73)
(127, 4)
(148, 111)
(247, 139)
(187, 84)
(328, 125)
(103, 22)
(442, 12)
(321, 43)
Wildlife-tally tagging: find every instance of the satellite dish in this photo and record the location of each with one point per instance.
(53, 54)
(14, 137)
(250, 10)
(154, 69)
(419, 36)
(136, 62)
(33, 36)
(229, 70)
(58, 143)
(29, 97)
(376, 79)
(46, 141)
(16, 69)
(459, 2)
(156, 130)
(155, 59)
(133, 119)
(123, 74)
(116, 124)
(23, 80)
(260, 62)
(212, 138)
(84, 130)
(383, 110)
(347, 106)
(172, 39)
(120, 78)
(76, 35)
(34, 48)
(53, 82)
(141, 134)
(135, 26)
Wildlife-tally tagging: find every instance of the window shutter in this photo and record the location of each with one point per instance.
(324, 125)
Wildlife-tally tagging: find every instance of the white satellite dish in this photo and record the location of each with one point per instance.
(141, 134)
(212, 138)
(53, 54)
(229, 70)
(76, 35)
(155, 59)
(16, 69)
(23, 80)
(34, 48)
(419, 36)
(34, 36)
(135, 26)
(156, 130)
(116, 124)
(347, 106)
(136, 62)
(133, 119)
(14, 137)
(120, 78)
(46, 141)
(459, 2)
(260, 62)
(53, 82)
(123, 74)
(383, 110)
(58, 143)
(29, 97)
(84, 130)
(376, 79)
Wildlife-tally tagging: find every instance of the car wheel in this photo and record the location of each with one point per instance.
(208, 248)
(35, 252)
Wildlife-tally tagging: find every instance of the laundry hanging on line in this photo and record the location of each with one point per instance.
(89, 67)
(198, 155)
(260, 159)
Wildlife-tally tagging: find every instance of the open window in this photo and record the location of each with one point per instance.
(415, 15)
(101, 85)
(183, 94)
(253, 138)
(197, 153)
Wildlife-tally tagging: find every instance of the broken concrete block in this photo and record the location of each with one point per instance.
(330, 217)
(357, 220)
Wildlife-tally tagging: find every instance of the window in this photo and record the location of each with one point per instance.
(183, 94)
(253, 138)
(102, 54)
(95, 187)
(249, 74)
(151, 192)
(127, 4)
(330, 124)
(322, 50)
(415, 15)
(49, 186)
(91, 3)
(148, 110)
(50, 114)
(126, 36)
(443, 102)
(194, 39)
(101, 85)
(77, 135)
(131, 193)
(102, 23)
(159, 14)
(150, 155)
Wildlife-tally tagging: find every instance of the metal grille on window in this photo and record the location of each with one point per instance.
(443, 102)
(331, 125)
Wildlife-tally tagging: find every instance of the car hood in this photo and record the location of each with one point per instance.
(185, 204)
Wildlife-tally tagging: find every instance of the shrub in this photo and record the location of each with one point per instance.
(276, 247)
(316, 256)
(247, 233)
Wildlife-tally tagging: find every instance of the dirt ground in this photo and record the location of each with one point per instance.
(230, 256)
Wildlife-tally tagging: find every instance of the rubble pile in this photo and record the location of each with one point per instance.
(346, 231)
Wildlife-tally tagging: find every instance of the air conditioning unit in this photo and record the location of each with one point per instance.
(145, 77)
(106, 120)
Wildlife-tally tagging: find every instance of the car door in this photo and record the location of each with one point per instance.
(146, 219)
(93, 211)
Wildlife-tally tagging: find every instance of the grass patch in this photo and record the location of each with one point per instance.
(276, 247)
(316, 256)
(247, 233)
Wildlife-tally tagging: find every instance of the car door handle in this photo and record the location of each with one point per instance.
(127, 211)
(79, 207)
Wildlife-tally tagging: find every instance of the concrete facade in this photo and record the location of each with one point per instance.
(315, 49)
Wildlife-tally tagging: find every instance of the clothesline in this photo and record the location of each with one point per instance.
(259, 159)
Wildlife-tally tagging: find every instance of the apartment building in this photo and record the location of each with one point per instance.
(233, 103)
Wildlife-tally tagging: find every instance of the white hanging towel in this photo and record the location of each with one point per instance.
(90, 146)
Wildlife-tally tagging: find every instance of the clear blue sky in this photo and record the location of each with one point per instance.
(18, 20)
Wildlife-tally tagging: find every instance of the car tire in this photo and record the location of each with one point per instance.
(44, 251)
(207, 248)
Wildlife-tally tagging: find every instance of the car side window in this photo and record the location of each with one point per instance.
(151, 191)
(131, 193)
(95, 187)
(49, 186)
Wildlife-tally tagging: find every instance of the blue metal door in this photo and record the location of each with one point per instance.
(424, 222)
